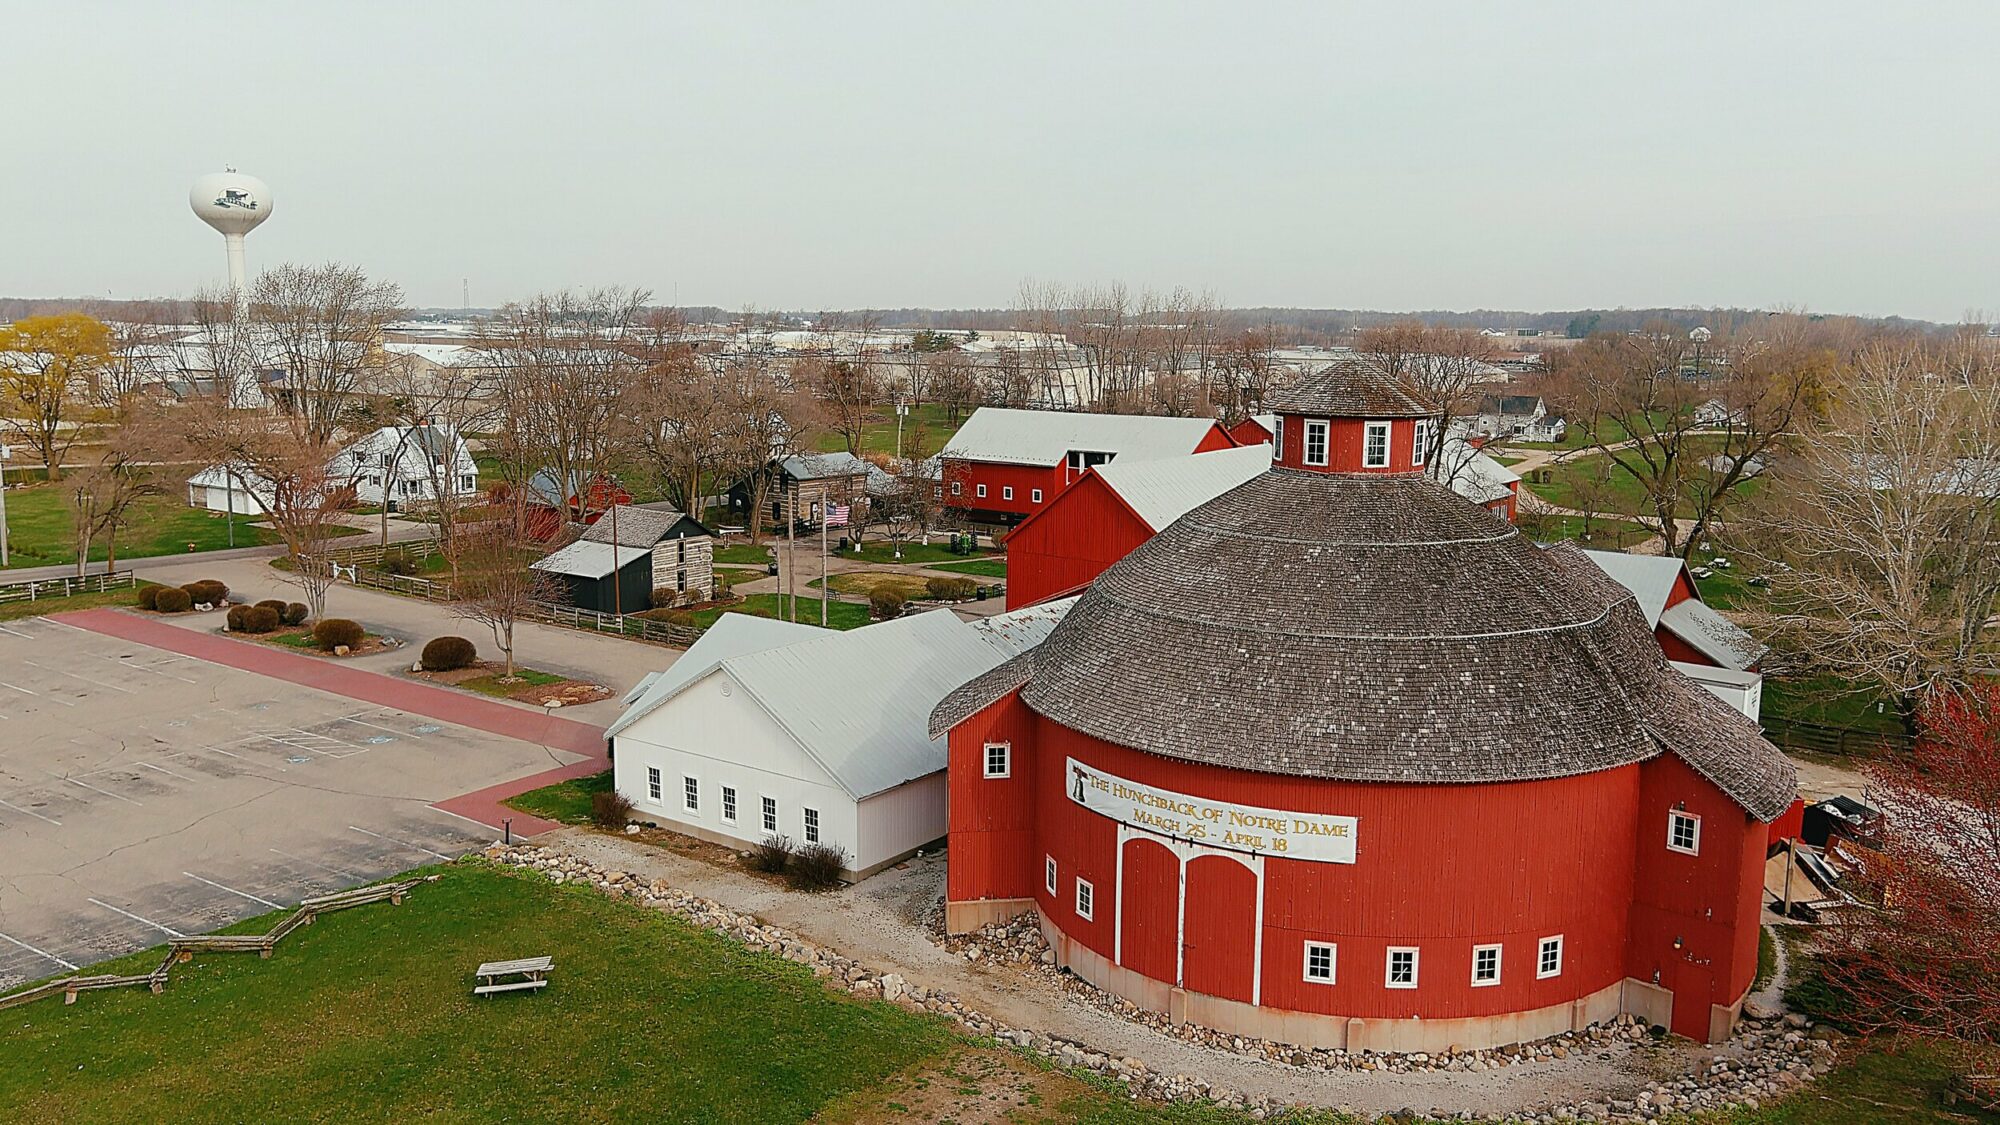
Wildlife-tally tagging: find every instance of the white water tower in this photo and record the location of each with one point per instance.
(233, 204)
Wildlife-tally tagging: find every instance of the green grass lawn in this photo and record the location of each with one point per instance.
(1829, 702)
(863, 583)
(1892, 1082)
(749, 554)
(567, 802)
(987, 568)
(840, 615)
(368, 1015)
(41, 528)
(1622, 493)
(1605, 534)
(14, 611)
(742, 574)
(883, 551)
(880, 434)
(523, 677)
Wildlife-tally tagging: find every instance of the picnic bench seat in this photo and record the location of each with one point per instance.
(534, 971)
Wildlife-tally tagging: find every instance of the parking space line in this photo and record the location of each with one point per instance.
(241, 758)
(456, 816)
(167, 930)
(31, 812)
(166, 771)
(106, 792)
(234, 891)
(404, 843)
(23, 636)
(124, 663)
(360, 722)
(74, 676)
(340, 871)
(38, 952)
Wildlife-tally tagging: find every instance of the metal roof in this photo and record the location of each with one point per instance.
(1045, 437)
(733, 634)
(1019, 630)
(587, 559)
(1164, 490)
(1713, 635)
(1649, 577)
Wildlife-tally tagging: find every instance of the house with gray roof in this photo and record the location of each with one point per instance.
(659, 556)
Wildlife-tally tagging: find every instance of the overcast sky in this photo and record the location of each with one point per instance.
(1843, 157)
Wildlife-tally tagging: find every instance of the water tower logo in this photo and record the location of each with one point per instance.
(233, 204)
(234, 197)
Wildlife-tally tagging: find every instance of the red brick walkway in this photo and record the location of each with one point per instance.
(445, 704)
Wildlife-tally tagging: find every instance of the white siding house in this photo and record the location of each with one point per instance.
(767, 728)
(400, 465)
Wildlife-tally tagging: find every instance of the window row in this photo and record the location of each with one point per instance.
(726, 794)
(1401, 963)
(1006, 492)
(1374, 443)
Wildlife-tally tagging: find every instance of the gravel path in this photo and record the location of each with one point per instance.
(881, 922)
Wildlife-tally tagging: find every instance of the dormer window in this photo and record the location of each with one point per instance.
(1375, 446)
(1081, 459)
(1316, 431)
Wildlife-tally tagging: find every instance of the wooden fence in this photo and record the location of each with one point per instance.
(1835, 740)
(643, 628)
(64, 587)
(182, 950)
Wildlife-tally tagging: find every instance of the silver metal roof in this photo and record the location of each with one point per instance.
(1045, 437)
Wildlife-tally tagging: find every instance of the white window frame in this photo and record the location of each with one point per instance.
(1675, 817)
(768, 806)
(1420, 441)
(655, 784)
(1086, 899)
(690, 794)
(1006, 759)
(1498, 956)
(958, 488)
(809, 820)
(979, 490)
(1324, 427)
(1389, 967)
(1332, 962)
(1006, 492)
(728, 804)
(1542, 947)
(1034, 496)
(1278, 441)
(1368, 432)
(1049, 880)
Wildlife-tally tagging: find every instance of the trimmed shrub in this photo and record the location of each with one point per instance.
(886, 604)
(147, 594)
(399, 562)
(725, 584)
(333, 632)
(772, 856)
(234, 621)
(295, 613)
(610, 809)
(816, 867)
(443, 654)
(260, 619)
(664, 597)
(275, 605)
(172, 599)
(951, 589)
(208, 590)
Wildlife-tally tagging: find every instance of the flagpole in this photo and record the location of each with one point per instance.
(826, 511)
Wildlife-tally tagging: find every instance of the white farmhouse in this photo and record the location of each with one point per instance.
(396, 466)
(769, 728)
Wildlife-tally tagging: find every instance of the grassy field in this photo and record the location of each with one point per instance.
(524, 677)
(745, 554)
(863, 583)
(567, 802)
(925, 431)
(883, 551)
(1622, 493)
(840, 615)
(14, 611)
(985, 568)
(1829, 702)
(41, 528)
(1605, 534)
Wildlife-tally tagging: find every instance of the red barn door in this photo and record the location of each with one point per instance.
(1149, 909)
(1219, 946)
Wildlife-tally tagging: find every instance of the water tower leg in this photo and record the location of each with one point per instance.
(238, 276)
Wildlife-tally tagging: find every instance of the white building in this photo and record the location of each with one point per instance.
(395, 466)
(230, 488)
(768, 728)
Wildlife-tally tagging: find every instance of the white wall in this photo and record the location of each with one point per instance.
(714, 732)
(904, 818)
(219, 499)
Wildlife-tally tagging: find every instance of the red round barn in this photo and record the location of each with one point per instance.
(1339, 758)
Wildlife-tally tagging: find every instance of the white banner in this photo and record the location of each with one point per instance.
(1315, 837)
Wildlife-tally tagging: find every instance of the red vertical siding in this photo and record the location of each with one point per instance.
(1070, 542)
(1219, 946)
(992, 849)
(1249, 432)
(1023, 479)
(1345, 445)
(1677, 649)
(1149, 922)
(1216, 438)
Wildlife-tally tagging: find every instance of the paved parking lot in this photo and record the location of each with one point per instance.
(146, 794)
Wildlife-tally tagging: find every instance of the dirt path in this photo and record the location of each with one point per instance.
(881, 923)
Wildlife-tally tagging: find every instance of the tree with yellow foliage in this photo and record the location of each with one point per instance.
(51, 370)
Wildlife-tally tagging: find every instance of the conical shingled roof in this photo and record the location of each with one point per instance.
(1349, 387)
(1374, 628)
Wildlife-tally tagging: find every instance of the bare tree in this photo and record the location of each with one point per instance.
(101, 496)
(1442, 366)
(323, 325)
(1882, 528)
(493, 584)
(673, 413)
(849, 386)
(766, 417)
(911, 506)
(434, 408)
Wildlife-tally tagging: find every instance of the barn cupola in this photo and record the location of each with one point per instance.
(1351, 417)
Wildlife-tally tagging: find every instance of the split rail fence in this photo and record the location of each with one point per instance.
(29, 591)
(182, 950)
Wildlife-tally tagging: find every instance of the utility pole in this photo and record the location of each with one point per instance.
(792, 553)
(617, 580)
(824, 512)
(4, 454)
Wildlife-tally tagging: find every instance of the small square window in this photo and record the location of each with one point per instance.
(729, 804)
(771, 815)
(1085, 899)
(1006, 492)
(1316, 443)
(1034, 496)
(652, 783)
(1049, 873)
(1549, 958)
(1319, 962)
(812, 826)
(980, 491)
(1485, 965)
(1683, 832)
(999, 759)
(957, 488)
(690, 794)
(1402, 969)
(1375, 446)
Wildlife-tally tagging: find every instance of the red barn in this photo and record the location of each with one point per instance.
(1300, 767)
(1003, 465)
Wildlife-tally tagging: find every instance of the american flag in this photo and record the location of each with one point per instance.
(836, 515)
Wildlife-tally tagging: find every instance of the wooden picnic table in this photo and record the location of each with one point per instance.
(533, 971)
